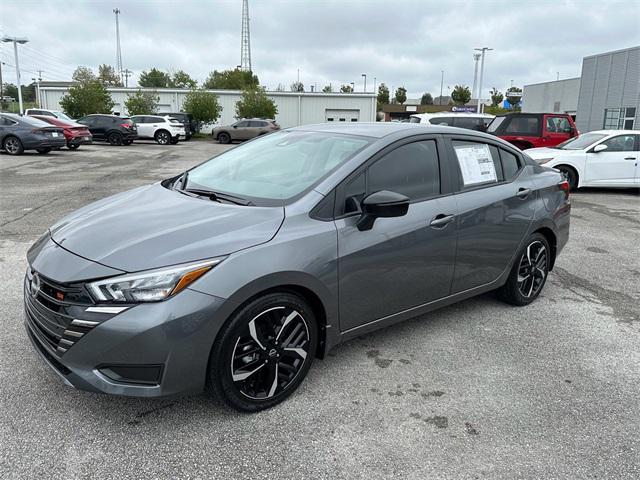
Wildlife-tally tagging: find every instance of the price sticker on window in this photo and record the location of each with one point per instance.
(476, 164)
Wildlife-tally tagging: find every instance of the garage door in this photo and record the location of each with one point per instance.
(342, 115)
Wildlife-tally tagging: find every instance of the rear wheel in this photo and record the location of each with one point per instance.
(115, 138)
(162, 137)
(73, 146)
(263, 352)
(13, 146)
(127, 142)
(44, 150)
(571, 175)
(529, 272)
(224, 137)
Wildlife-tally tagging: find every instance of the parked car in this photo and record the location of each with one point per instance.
(111, 128)
(471, 121)
(190, 125)
(74, 133)
(530, 130)
(48, 113)
(245, 268)
(244, 129)
(604, 158)
(163, 130)
(20, 133)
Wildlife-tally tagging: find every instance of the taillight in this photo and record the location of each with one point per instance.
(126, 125)
(564, 186)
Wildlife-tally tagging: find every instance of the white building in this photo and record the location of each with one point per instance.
(559, 96)
(293, 108)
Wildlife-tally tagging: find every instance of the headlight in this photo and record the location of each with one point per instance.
(151, 286)
(544, 160)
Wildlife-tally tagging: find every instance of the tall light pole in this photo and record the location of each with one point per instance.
(365, 82)
(16, 41)
(441, 85)
(476, 58)
(375, 84)
(483, 50)
(118, 50)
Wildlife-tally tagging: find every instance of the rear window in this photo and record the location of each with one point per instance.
(447, 121)
(414, 119)
(493, 126)
(470, 123)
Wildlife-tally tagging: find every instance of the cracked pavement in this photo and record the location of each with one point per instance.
(475, 390)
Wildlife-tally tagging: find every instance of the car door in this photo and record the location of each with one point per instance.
(402, 262)
(615, 166)
(557, 129)
(496, 204)
(91, 123)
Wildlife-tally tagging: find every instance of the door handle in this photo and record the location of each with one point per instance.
(441, 220)
(629, 158)
(523, 193)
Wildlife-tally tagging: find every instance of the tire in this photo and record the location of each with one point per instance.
(162, 137)
(224, 137)
(529, 272)
(256, 328)
(175, 140)
(115, 138)
(73, 146)
(43, 151)
(571, 175)
(127, 142)
(13, 146)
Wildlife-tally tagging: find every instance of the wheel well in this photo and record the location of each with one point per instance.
(7, 138)
(220, 133)
(161, 130)
(551, 238)
(568, 167)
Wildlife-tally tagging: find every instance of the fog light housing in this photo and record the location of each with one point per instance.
(133, 374)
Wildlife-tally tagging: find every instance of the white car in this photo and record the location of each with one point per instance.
(48, 113)
(603, 158)
(164, 130)
(471, 121)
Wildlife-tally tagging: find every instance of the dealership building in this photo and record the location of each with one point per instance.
(605, 96)
(293, 108)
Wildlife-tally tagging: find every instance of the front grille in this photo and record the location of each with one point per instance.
(54, 312)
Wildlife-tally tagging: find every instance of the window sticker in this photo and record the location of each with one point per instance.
(476, 164)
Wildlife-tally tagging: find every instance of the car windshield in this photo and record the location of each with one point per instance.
(495, 123)
(62, 116)
(413, 119)
(275, 167)
(581, 142)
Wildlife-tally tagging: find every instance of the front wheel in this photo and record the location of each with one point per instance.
(529, 272)
(263, 352)
(571, 175)
(224, 138)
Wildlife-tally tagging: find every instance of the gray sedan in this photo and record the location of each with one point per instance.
(235, 275)
(18, 133)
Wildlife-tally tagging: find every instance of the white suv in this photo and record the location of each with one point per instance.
(164, 130)
(471, 121)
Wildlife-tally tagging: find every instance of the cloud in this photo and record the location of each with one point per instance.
(330, 41)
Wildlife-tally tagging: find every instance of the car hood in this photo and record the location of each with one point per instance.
(152, 226)
(546, 152)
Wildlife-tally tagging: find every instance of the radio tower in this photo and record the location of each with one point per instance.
(118, 51)
(245, 48)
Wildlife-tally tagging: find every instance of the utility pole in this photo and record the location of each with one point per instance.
(16, 41)
(483, 50)
(375, 84)
(441, 85)
(126, 74)
(245, 46)
(37, 82)
(365, 82)
(476, 58)
(118, 50)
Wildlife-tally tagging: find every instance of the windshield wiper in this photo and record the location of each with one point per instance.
(182, 182)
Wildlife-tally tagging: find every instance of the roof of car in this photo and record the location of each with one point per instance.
(614, 132)
(453, 114)
(382, 129)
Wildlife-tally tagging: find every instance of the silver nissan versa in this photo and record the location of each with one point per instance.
(233, 276)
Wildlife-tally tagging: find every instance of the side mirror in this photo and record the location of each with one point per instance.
(235, 126)
(599, 148)
(383, 204)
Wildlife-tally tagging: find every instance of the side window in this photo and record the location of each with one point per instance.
(621, 143)
(523, 126)
(354, 193)
(242, 124)
(256, 124)
(48, 114)
(412, 170)
(558, 125)
(446, 121)
(470, 123)
(510, 164)
(88, 121)
(479, 163)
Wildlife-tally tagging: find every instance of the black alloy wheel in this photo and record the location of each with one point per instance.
(163, 137)
(571, 175)
(115, 139)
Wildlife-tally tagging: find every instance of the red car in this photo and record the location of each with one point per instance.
(529, 130)
(74, 133)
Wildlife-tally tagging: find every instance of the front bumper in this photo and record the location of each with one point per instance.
(81, 344)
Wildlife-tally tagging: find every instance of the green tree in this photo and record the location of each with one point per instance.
(83, 74)
(514, 98)
(254, 103)
(346, 89)
(154, 78)
(10, 90)
(108, 76)
(89, 96)
(496, 97)
(426, 99)
(401, 95)
(461, 95)
(202, 105)
(182, 79)
(141, 103)
(231, 80)
(383, 96)
(297, 87)
(327, 89)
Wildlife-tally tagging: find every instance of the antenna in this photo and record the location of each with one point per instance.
(245, 47)
(118, 51)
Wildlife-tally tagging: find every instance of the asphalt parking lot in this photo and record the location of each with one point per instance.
(476, 390)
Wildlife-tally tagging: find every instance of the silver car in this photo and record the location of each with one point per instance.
(235, 275)
(244, 129)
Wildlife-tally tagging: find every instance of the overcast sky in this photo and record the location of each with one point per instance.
(399, 42)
